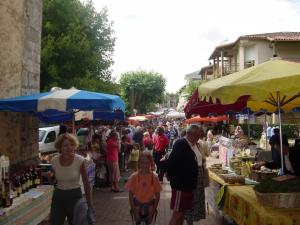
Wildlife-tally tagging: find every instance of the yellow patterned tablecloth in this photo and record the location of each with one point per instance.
(242, 206)
(29, 209)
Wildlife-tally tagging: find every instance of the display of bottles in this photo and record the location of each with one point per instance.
(19, 182)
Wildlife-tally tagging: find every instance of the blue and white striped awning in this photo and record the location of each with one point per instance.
(62, 103)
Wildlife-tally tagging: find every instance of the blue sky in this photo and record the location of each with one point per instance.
(176, 37)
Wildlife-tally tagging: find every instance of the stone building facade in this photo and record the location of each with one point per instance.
(20, 44)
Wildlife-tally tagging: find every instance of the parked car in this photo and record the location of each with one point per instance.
(81, 135)
(47, 137)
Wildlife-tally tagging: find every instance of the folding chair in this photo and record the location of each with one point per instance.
(143, 219)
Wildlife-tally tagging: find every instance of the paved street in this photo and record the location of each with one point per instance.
(113, 208)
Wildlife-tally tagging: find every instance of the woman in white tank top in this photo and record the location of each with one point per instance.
(68, 167)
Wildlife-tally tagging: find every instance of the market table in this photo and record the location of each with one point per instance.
(241, 205)
(211, 193)
(30, 208)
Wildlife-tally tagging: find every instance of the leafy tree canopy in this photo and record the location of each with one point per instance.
(191, 87)
(142, 90)
(173, 98)
(77, 46)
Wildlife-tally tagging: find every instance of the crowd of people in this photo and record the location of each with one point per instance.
(152, 153)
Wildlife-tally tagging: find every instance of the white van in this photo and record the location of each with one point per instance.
(47, 137)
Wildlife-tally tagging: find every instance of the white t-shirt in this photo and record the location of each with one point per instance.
(269, 131)
(196, 151)
(67, 176)
(288, 164)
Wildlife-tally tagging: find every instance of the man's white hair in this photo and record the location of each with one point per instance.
(193, 128)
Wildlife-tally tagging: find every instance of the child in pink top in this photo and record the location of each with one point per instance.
(144, 189)
(112, 161)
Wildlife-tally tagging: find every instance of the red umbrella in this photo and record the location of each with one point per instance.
(215, 119)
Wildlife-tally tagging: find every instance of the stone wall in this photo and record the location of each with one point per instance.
(20, 41)
(19, 137)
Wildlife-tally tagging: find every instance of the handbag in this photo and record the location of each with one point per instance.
(83, 215)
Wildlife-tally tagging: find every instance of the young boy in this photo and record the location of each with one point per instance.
(134, 157)
(144, 190)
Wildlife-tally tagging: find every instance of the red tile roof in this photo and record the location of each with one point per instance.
(276, 36)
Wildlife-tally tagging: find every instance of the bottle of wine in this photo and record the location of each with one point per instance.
(1, 193)
(2, 188)
(14, 186)
(18, 185)
(6, 201)
(11, 194)
(38, 179)
(23, 183)
(30, 175)
(33, 177)
(27, 182)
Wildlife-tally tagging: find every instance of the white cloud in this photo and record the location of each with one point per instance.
(176, 37)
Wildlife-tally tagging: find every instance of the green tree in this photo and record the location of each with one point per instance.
(94, 84)
(142, 90)
(172, 99)
(191, 87)
(77, 45)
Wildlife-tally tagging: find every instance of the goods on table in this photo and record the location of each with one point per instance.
(216, 165)
(240, 167)
(233, 179)
(260, 175)
(279, 194)
(234, 163)
(271, 185)
(226, 175)
(13, 184)
(246, 168)
(216, 168)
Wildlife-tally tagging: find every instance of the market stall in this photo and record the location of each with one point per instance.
(241, 204)
(31, 202)
(30, 208)
(246, 201)
(272, 86)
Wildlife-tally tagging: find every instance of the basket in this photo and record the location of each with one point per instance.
(279, 200)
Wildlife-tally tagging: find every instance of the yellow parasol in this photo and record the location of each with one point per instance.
(262, 83)
(272, 85)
